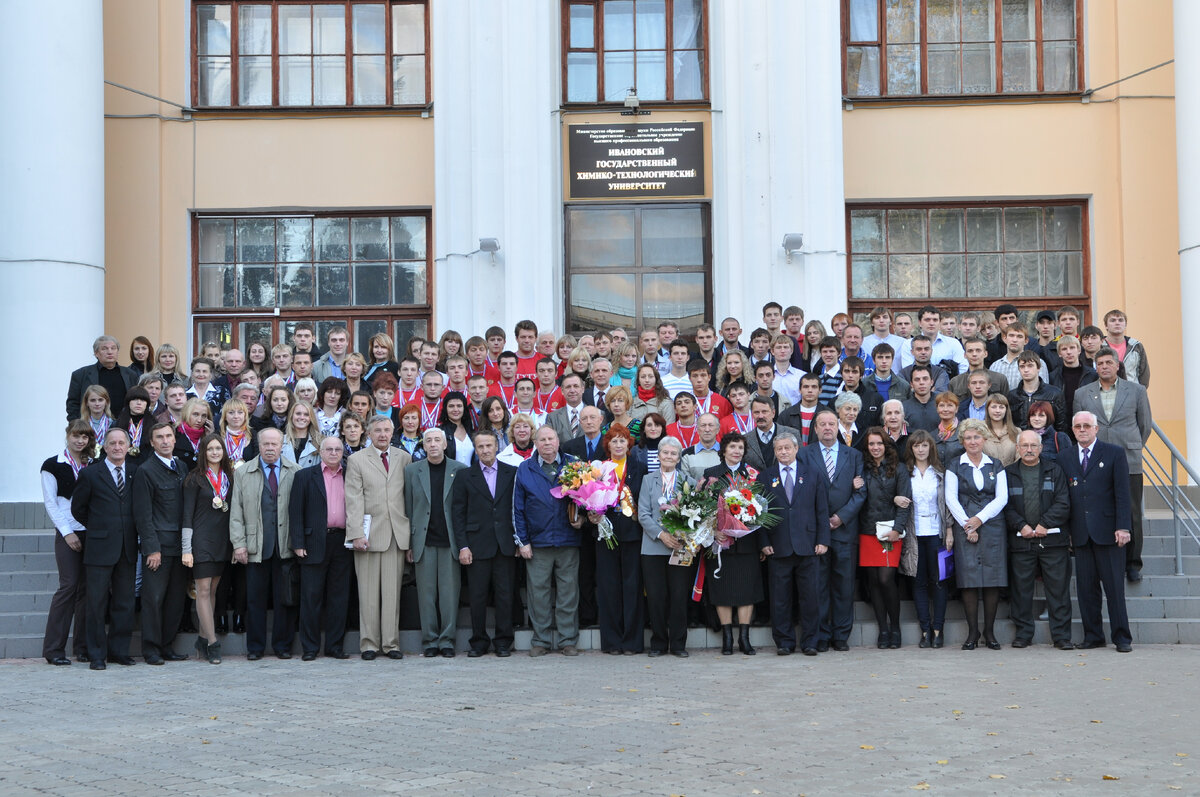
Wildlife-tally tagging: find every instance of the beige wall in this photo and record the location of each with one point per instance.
(1118, 150)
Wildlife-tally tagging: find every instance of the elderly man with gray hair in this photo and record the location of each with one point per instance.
(116, 379)
(428, 486)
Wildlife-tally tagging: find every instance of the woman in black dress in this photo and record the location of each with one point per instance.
(889, 498)
(740, 580)
(206, 534)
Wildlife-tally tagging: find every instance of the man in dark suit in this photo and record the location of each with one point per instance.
(1098, 479)
(797, 493)
(103, 503)
(589, 446)
(317, 535)
(481, 507)
(841, 467)
(116, 379)
(760, 441)
(158, 510)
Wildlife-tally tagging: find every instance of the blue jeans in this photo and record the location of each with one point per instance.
(927, 584)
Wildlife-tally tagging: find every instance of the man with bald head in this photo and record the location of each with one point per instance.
(1037, 514)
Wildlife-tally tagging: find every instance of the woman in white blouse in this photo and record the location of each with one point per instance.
(976, 492)
(929, 525)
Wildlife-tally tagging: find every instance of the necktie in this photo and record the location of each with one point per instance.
(788, 484)
(173, 468)
(1084, 463)
(272, 481)
(591, 449)
(600, 400)
(383, 456)
(120, 480)
(830, 462)
(574, 423)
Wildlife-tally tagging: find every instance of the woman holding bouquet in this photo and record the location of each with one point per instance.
(740, 581)
(929, 534)
(618, 569)
(206, 534)
(668, 587)
(889, 497)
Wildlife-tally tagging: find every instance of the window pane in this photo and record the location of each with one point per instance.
(946, 230)
(978, 20)
(1059, 66)
(408, 282)
(903, 66)
(1020, 67)
(674, 297)
(295, 80)
(257, 286)
(651, 24)
(370, 80)
(862, 71)
(983, 231)
(864, 21)
(983, 275)
(1058, 19)
(333, 239)
(215, 241)
(256, 240)
(294, 240)
(364, 330)
(946, 276)
(329, 36)
(943, 69)
(368, 32)
(618, 75)
(250, 331)
(906, 230)
(1023, 274)
(602, 301)
(408, 80)
(686, 24)
(1022, 229)
(370, 238)
(371, 283)
(1017, 19)
(408, 329)
(333, 285)
(907, 277)
(902, 23)
(220, 331)
(295, 285)
(212, 30)
(866, 231)
(329, 80)
(254, 80)
(672, 237)
(979, 69)
(601, 237)
(254, 30)
(213, 88)
(618, 25)
(941, 20)
(652, 75)
(408, 29)
(408, 238)
(1064, 227)
(295, 30)
(1064, 273)
(868, 277)
(218, 286)
(582, 26)
(581, 77)
(689, 75)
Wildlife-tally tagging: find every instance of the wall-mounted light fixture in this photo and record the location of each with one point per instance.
(633, 104)
(793, 242)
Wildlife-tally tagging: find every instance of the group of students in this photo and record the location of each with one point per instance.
(172, 476)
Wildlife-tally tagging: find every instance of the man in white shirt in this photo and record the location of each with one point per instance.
(944, 348)
(787, 376)
(676, 379)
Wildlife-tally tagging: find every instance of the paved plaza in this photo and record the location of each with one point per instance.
(866, 722)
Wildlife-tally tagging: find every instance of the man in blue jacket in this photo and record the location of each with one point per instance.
(550, 544)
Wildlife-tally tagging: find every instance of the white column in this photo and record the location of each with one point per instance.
(777, 152)
(496, 160)
(51, 220)
(1187, 129)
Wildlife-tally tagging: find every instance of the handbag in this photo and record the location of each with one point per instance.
(945, 564)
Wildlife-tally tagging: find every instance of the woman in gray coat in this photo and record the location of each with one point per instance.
(668, 587)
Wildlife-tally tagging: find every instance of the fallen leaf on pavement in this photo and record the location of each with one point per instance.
(944, 761)
(922, 786)
(866, 747)
(996, 777)
(1110, 777)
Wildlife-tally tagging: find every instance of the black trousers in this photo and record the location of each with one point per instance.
(110, 591)
(799, 576)
(325, 596)
(1133, 550)
(1055, 564)
(264, 585)
(1096, 566)
(163, 594)
(668, 595)
(69, 604)
(494, 576)
(835, 592)
(589, 611)
(619, 596)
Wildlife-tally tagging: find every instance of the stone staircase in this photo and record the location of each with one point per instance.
(1163, 608)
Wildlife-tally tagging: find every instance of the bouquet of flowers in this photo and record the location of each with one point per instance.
(690, 516)
(595, 487)
(743, 508)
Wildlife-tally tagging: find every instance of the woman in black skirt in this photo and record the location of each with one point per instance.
(206, 534)
(740, 580)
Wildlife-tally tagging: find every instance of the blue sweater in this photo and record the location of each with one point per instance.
(540, 519)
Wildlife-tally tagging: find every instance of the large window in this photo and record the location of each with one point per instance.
(633, 266)
(333, 54)
(905, 48)
(656, 47)
(257, 276)
(1031, 254)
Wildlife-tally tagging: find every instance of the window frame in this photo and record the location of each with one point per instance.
(977, 303)
(923, 42)
(275, 56)
(597, 48)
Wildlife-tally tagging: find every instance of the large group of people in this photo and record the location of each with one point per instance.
(289, 486)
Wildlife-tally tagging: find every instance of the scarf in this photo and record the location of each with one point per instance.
(626, 375)
(191, 434)
(647, 395)
(523, 453)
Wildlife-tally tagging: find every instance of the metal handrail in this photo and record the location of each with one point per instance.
(1184, 514)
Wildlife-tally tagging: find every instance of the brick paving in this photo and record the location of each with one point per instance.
(863, 722)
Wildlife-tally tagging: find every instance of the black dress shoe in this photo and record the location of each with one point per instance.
(239, 625)
(1124, 647)
(894, 640)
(1133, 575)
(809, 651)
(283, 654)
(822, 646)
(98, 665)
(1064, 644)
(430, 653)
(784, 652)
(448, 653)
(125, 661)
(59, 661)
(154, 660)
(612, 652)
(395, 654)
(682, 654)
(1092, 645)
(1020, 643)
(503, 653)
(474, 654)
(309, 657)
(369, 655)
(839, 645)
(337, 654)
(171, 655)
(882, 640)
(222, 624)
(253, 656)
(654, 654)
(82, 658)
(938, 639)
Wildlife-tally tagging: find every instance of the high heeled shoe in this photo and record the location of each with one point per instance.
(971, 640)
(991, 642)
(744, 640)
(727, 639)
(214, 652)
(201, 647)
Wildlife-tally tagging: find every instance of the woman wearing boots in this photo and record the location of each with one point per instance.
(889, 498)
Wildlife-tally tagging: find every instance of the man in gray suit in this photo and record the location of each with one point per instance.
(565, 420)
(433, 547)
(1122, 410)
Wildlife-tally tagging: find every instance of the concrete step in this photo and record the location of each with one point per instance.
(21, 562)
(26, 540)
(28, 581)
